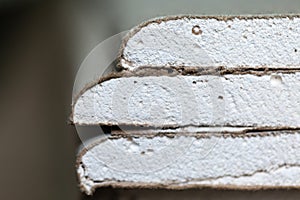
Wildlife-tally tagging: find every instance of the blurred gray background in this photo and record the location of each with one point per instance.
(42, 46)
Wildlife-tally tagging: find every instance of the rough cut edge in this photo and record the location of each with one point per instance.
(158, 20)
(178, 186)
(89, 186)
(131, 185)
(129, 136)
(180, 70)
(89, 190)
(184, 70)
(243, 95)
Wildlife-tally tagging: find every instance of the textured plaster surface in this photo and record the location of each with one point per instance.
(269, 161)
(199, 105)
(237, 42)
(231, 100)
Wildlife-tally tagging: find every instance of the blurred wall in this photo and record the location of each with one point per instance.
(42, 46)
(37, 147)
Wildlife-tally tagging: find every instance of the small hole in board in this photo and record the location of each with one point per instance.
(276, 80)
(196, 30)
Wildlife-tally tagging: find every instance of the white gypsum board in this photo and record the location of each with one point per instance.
(271, 160)
(245, 100)
(229, 41)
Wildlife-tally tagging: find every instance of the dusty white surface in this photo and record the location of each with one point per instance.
(269, 161)
(230, 100)
(237, 102)
(272, 42)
